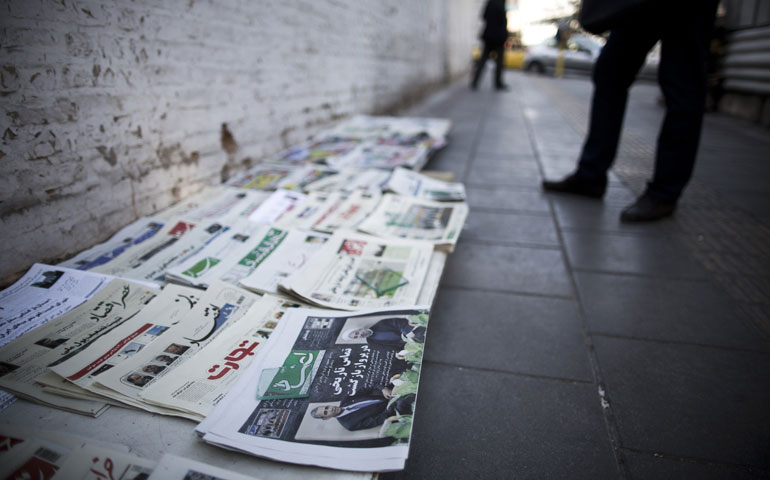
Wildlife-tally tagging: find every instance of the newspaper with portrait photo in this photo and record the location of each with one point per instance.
(332, 389)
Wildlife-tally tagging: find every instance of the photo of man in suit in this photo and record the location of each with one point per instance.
(368, 408)
(388, 332)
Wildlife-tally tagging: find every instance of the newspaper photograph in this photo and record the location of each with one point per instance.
(332, 389)
(219, 307)
(293, 249)
(354, 271)
(199, 384)
(317, 151)
(408, 217)
(349, 212)
(28, 357)
(412, 184)
(170, 307)
(215, 260)
(281, 202)
(129, 236)
(172, 467)
(265, 176)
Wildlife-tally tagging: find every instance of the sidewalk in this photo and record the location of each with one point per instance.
(565, 344)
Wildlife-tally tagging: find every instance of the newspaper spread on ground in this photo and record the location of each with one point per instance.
(129, 236)
(303, 176)
(42, 294)
(380, 126)
(28, 357)
(351, 179)
(79, 372)
(354, 271)
(293, 249)
(279, 203)
(202, 382)
(348, 212)
(410, 183)
(216, 258)
(307, 213)
(317, 151)
(151, 266)
(381, 155)
(218, 308)
(172, 467)
(432, 278)
(331, 389)
(265, 176)
(407, 217)
(35, 454)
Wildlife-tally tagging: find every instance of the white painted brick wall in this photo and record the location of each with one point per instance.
(112, 109)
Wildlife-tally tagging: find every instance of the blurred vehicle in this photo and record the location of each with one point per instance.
(513, 57)
(579, 56)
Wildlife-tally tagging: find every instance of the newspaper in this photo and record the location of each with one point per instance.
(42, 294)
(129, 236)
(408, 217)
(82, 370)
(381, 155)
(279, 203)
(293, 249)
(374, 127)
(265, 176)
(307, 213)
(219, 307)
(354, 271)
(350, 179)
(150, 264)
(331, 389)
(172, 467)
(189, 207)
(26, 358)
(200, 383)
(303, 176)
(317, 151)
(31, 454)
(409, 183)
(348, 212)
(216, 258)
(432, 278)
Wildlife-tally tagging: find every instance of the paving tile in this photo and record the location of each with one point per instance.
(689, 401)
(455, 162)
(645, 465)
(675, 310)
(508, 332)
(507, 268)
(652, 255)
(506, 198)
(498, 227)
(502, 174)
(516, 158)
(501, 426)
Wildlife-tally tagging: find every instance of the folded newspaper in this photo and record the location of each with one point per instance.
(410, 183)
(413, 218)
(354, 271)
(331, 389)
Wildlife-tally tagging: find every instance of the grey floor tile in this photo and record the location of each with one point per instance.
(507, 332)
(652, 255)
(675, 310)
(689, 401)
(646, 465)
(530, 199)
(503, 174)
(500, 426)
(507, 268)
(455, 163)
(505, 228)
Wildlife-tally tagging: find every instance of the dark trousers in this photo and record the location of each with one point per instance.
(483, 60)
(684, 31)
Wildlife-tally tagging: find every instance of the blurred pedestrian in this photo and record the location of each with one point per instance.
(494, 35)
(684, 30)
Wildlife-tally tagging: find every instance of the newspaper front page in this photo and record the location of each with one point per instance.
(303, 176)
(383, 156)
(121, 343)
(307, 213)
(219, 307)
(172, 467)
(351, 179)
(408, 217)
(42, 294)
(28, 357)
(410, 183)
(264, 176)
(332, 389)
(294, 248)
(278, 204)
(202, 382)
(354, 271)
(348, 212)
(317, 151)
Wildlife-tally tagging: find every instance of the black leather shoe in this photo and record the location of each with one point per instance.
(575, 186)
(647, 209)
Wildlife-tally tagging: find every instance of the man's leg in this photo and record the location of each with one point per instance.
(480, 66)
(499, 51)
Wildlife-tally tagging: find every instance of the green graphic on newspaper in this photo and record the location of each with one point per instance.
(200, 268)
(293, 378)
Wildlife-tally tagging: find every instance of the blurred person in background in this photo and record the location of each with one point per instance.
(684, 29)
(494, 35)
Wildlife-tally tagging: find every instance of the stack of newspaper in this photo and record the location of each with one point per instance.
(203, 311)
